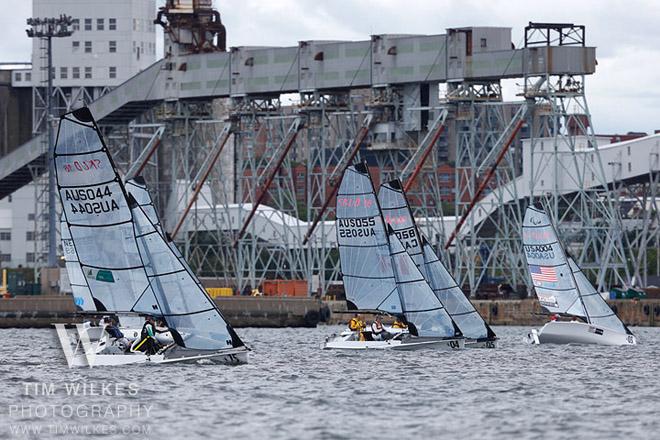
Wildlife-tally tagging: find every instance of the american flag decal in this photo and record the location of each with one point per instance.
(543, 273)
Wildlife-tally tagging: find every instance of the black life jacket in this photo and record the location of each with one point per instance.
(145, 333)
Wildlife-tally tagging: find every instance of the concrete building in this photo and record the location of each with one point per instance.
(112, 41)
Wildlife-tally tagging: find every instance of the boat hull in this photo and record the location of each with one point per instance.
(560, 332)
(474, 343)
(340, 342)
(236, 356)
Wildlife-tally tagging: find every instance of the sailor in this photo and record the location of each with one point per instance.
(113, 330)
(377, 331)
(399, 324)
(148, 342)
(356, 324)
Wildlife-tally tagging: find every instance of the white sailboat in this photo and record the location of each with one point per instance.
(562, 289)
(397, 213)
(120, 259)
(380, 276)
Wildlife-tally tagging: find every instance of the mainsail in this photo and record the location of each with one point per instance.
(424, 313)
(560, 285)
(548, 267)
(397, 213)
(127, 265)
(364, 250)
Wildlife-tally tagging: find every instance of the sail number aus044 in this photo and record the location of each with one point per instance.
(90, 200)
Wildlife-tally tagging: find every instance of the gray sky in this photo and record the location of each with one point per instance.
(623, 95)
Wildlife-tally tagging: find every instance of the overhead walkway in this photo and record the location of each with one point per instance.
(392, 60)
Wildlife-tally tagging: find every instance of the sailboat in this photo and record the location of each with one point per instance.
(397, 213)
(563, 290)
(126, 267)
(381, 277)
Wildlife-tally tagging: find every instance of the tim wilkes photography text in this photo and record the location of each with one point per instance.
(91, 409)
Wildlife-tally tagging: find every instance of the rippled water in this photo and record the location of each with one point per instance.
(291, 390)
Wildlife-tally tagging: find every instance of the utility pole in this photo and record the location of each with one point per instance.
(49, 28)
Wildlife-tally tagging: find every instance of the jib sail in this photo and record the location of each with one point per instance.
(425, 314)
(397, 213)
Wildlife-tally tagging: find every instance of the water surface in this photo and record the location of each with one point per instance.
(293, 390)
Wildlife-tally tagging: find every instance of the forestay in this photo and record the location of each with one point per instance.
(598, 311)
(548, 267)
(425, 314)
(397, 213)
(363, 246)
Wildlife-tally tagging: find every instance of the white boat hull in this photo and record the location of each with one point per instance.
(348, 341)
(473, 343)
(236, 356)
(562, 332)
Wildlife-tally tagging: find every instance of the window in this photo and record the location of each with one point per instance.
(135, 24)
(112, 24)
(28, 76)
(5, 257)
(31, 217)
(100, 24)
(29, 257)
(484, 42)
(75, 46)
(88, 47)
(29, 236)
(113, 72)
(88, 24)
(64, 72)
(112, 46)
(18, 76)
(5, 236)
(628, 150)
(629, 167)
(76, 73)
(88, 72)
(76, 24)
